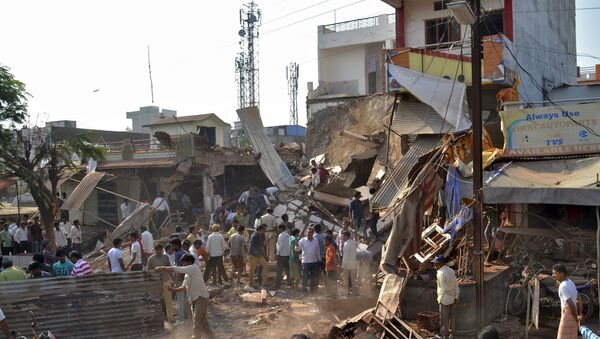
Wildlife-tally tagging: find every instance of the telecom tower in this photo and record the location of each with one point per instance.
(246, 62)
(292, 74)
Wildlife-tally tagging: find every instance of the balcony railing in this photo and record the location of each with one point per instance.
(358, 24)
(142, 149)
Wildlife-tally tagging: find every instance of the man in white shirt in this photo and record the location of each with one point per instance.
(21, 238)
(147, 244)
(283, 255)
(571, 308)
(135, 264)
(60, 238)
(349, 261)
(270, 221)
(160, 207)
(75, 236)
(309, 246)
(447, 295)
(215, 247)
(126, 209)
(197, 293)
(115, 257)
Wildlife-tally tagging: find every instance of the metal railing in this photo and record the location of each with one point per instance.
(142, 146)
(357, 24)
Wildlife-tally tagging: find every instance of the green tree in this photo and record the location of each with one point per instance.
(33, 155)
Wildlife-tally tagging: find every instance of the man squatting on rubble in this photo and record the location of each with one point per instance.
(447, 295)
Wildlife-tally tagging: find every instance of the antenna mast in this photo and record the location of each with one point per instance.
(246, 62)
(150, 74)
(292, 74)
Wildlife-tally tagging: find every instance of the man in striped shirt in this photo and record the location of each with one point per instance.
(81, 266)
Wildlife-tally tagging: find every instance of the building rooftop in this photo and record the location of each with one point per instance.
(186, 118)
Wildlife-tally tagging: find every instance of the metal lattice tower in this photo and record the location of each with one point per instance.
(246, 62)
(292, 74)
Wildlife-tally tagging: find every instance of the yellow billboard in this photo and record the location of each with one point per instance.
(550, 131)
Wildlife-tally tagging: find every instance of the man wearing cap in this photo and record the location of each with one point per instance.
(447, 295)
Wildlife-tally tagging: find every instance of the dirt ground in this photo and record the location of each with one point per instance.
(282, 315)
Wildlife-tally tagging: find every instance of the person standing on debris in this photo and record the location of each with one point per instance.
(160, 209)
(75, 236)
(215, 247)
(159, 259)
(256, 255)
(7, 247)
(237, 246)
(37, 235)
(82, 267)
(63, 267)
(126, 209)
(321, 238)
(374, 214)
(21, 238)
(283, 255)
(137, 253)
(309, 246)
(270, 221)
(349, 262)
(115, 257)
(356, 214)
(331, 267)
(571, 315)
(447, 295)
(197, 293)
(323, 174)
(60, 238)
(295, 264)
(147, 243)
(315, 180)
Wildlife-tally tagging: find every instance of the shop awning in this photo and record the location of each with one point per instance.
(569, 182)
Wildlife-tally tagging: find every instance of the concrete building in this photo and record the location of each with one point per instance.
(145, 115)
(65, 129)
(286, 134)
(350, 56)
(217, 131)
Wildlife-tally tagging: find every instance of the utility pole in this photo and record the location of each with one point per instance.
(292, 73)
(246, 62)
(477, 163)
(150, 74)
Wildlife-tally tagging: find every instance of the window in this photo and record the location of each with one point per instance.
(492, 23)
(441, 30)
(440, 5)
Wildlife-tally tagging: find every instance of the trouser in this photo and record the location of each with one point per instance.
(271, 244)
(167, 298)
(181, 306)
(358, 225)
(332, 283)
(159, 217)
(136, 267)
(201, 326)
(24, 246)
(295, 275)
(7, 250)
(310, 270)
(446, 320)
(283, 264)
(373, 224)
(215, 268)
(254, 262)
(348, 279)
(36, 246)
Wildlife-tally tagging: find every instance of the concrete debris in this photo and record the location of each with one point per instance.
(256, 297)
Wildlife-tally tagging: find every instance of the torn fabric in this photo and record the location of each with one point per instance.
(447, 97)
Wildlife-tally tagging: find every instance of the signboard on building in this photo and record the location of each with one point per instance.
(550, 131)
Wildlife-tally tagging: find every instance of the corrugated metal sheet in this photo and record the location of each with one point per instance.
(124, 305)
(270, 162)
(397, 179)
(82, 191)
(419, 118)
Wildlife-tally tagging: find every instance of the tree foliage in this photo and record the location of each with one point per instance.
(34, 155)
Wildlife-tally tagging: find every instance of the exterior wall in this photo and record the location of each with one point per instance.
(145, 116)
(342, 70)
(190, 127)
(342, 34)
(417, 11)
(540, 28)
(575, 92)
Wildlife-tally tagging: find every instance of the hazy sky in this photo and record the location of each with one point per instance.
(65, 50)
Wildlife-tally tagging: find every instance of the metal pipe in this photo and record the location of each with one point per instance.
(477, 164)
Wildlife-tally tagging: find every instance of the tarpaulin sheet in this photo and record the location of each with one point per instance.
(270, 162)
(82, 191)
(447, 97)
(568, 182)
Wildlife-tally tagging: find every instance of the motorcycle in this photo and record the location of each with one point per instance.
(549, 305)
(34, 326)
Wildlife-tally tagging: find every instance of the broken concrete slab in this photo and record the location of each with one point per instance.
(279, 210)
(255, 297)
(330, 198)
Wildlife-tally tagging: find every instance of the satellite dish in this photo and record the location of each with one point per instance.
(242, 32)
